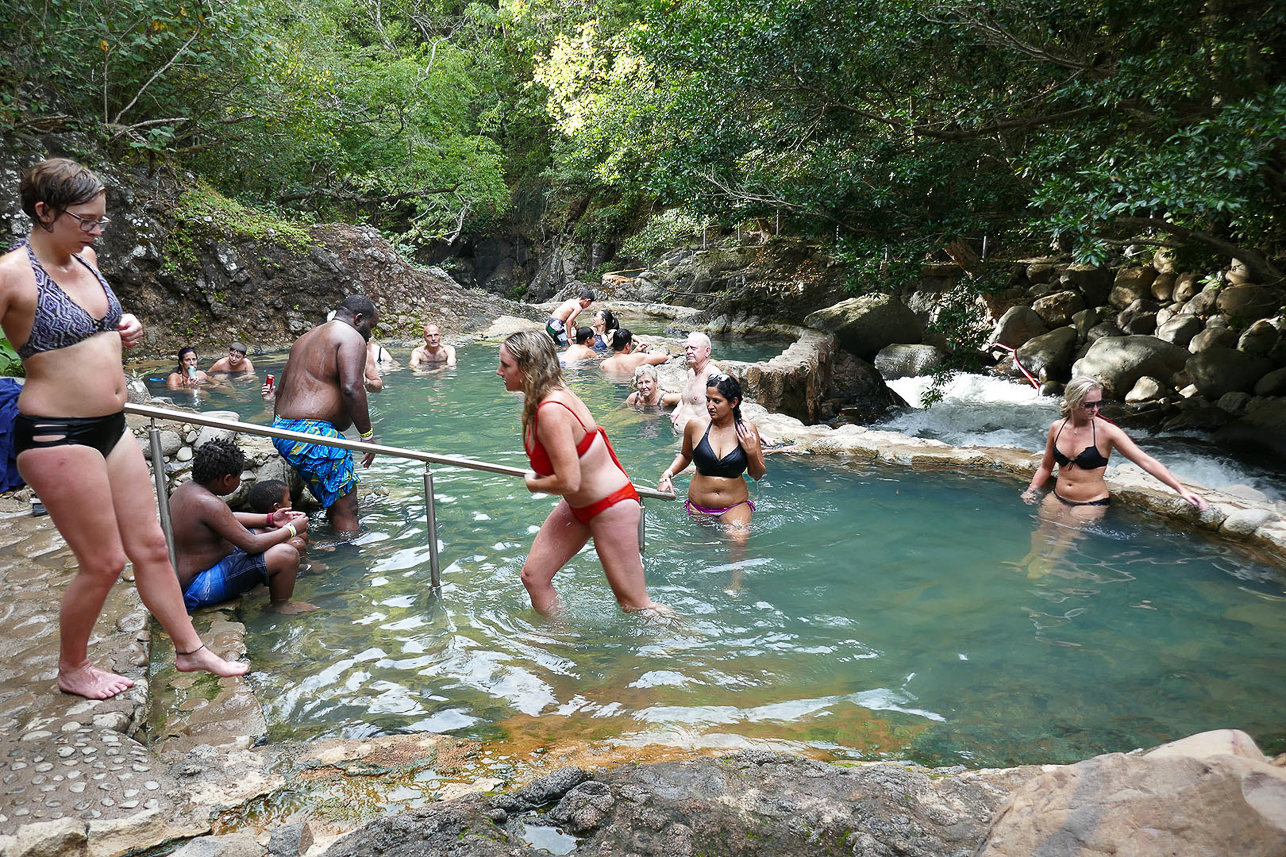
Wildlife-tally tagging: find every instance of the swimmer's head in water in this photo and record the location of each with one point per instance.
(622, 339)
(1077, 391)
(645, 380)
(584, 335)
(187, 357)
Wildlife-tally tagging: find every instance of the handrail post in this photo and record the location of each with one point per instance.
(642, 526)
(162, 495)
(431, 519)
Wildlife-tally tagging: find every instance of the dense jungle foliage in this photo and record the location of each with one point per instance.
(890, 127)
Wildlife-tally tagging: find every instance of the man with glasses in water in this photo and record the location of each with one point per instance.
(692, 401)
(236, 363)
(433, 351)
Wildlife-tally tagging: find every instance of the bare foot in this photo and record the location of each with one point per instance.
(204, 659)
(290, 608)
(660, 613)
(90, 682)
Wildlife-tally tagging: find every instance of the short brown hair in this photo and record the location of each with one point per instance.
(59, 184)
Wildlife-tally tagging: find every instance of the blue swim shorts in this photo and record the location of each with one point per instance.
(328, 471)
(236, 573)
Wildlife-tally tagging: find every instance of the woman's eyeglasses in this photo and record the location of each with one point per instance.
(88, 224)
(1093, 406)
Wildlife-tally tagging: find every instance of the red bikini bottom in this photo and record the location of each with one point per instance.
(585, 514)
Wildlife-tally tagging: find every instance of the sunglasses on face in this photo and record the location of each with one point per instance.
(1093, 406)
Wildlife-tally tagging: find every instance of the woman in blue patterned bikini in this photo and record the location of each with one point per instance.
(73, 447)
(722, 448)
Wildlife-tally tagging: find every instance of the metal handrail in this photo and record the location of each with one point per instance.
(200, 419)
(195, 418)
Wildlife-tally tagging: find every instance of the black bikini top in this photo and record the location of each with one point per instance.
(730, 466)
(1088, 459)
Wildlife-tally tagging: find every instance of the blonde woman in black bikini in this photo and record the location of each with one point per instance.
(1080, 444)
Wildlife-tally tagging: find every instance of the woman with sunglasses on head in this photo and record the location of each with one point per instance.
(603, 323)
(723, 448)
(73, 447)
(571, 456)
(1080, 444)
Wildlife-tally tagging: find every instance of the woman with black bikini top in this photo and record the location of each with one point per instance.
(1080, 444)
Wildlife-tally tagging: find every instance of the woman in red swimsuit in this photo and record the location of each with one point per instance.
(1080, 443)
(73, 447)
(570, 456)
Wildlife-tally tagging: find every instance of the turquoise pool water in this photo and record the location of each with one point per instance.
(873, 612)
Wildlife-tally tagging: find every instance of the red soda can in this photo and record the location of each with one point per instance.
(270, 379)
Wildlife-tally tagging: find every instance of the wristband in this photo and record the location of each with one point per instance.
(368, 434)
(291, 529)
(269, 524)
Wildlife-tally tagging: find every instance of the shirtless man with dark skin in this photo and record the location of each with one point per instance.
(219, 558)
(322, 391)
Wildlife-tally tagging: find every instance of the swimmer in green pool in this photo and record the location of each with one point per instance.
(571, 456)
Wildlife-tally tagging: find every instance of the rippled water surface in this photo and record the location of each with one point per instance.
(874, 611)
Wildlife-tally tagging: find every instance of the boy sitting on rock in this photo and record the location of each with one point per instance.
(219, 558)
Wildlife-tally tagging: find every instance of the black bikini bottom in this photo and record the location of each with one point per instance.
(1102, 501)
(100, 433)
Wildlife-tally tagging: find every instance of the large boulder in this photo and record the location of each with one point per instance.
(1211, 337)
(1049, 356)
(858, 392)
(1249, 301)
(1017, 325)
(1139, 317)
(904, 361)
(1213, 794)
(1216, 371)
(1272, 384)
(1118, 362)
(1131, 284)
(1163, 287)
(1203, 304)
(1057, 309)
(1259, 338)
(1180, 329)
(1263, 427)
(1090, 280)
(1185, 286)
(865, 325)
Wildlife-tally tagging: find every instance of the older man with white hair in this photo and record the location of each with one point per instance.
(692, 402)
